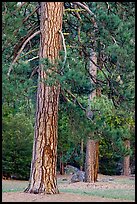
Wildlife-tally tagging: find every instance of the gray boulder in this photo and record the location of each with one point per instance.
(70, 169)
(78, 176)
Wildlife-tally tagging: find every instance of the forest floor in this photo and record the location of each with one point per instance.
(107, 189)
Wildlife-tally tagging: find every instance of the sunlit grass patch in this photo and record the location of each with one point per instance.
(126, 181)
(109, 193)
(14, 186)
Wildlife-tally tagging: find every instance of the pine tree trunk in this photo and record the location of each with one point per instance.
(91, 164)
(96, 161)
(127, 160)
(90, 161)
(43, 166)
(92, 147)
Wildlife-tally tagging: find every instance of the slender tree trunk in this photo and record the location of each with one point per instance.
(61, 164)
(127, 160)
(81, 151)
(92, 147)
(43, 166)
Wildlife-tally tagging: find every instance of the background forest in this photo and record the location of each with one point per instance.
(113, 109)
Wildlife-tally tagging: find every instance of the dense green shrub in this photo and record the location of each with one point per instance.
(110, 161)
(17, 142)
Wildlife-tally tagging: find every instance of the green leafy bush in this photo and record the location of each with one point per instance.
(110, 161)
(17, 142)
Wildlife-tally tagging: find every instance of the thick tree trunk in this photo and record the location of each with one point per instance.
(91, 164)
(43, 166)
(90, 161)
(92, 147)
(126, 165)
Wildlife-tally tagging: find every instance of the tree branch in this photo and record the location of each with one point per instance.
(65, 50)
(77, 14)
(32, 59)
(14, 61)
(15, 32)
(34, 71)
(28, 53)
(21, 6)
(20, 43)
(74, 97)
(85, 7)
(95, 80)
(80, 105)
(94, 62)
(31, 14)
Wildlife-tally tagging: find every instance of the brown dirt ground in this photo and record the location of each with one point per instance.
(64, 183)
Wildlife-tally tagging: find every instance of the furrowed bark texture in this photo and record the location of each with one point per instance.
(43, 166)
(91, 164)
(92, 147)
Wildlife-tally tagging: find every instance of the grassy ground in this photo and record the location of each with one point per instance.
(110, 193)
(13, 186)
(120, 188)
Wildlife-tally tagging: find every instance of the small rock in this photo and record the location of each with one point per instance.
(64, 179)
(111, 179)
(107, 179)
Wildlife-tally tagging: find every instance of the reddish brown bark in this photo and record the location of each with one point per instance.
(92, 148)
(43, 166)
(62, 172)
(96, 160)
(126, 165)
(91, 164)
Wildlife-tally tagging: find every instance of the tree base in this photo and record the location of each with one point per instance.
(40, 191)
